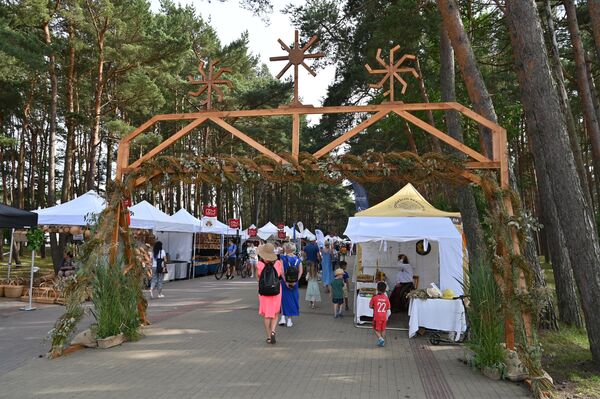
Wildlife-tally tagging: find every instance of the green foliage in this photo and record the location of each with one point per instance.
(114, 297)
(35, 239)
(485, 318)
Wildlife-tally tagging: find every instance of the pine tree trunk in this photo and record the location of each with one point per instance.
(51, 118)
(95, 137)
(585, 92)
(594, 10)
(562, 92)
(474, 83)
(67, 183)
(542, 112)
(478, 252)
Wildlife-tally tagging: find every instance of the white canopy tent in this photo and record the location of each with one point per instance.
(308, 235)
(183, 216)
(76, 212)
(383, 238)
(267, 231)
(146, 216)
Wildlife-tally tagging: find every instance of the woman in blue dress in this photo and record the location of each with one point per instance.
(290, 295)
(327, 265)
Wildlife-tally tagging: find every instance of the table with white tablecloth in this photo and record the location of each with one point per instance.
(361, 308)
(170, 275)
(437, 314)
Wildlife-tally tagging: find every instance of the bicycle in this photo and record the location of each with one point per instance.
(221, 269)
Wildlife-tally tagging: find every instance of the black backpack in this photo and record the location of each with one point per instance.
(268, 283)
(291, 272)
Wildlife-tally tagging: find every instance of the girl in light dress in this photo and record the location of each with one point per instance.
(313, 293)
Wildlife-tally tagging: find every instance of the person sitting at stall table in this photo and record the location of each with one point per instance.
(67, 266)
(404, 284)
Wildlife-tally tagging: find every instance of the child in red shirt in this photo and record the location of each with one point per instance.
(380, 305)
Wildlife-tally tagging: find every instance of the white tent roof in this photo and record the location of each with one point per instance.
(147, 216)
(308, 235)
(290, 232)
(402, 229)
(267, 231)
(183, 216)
(74, 212)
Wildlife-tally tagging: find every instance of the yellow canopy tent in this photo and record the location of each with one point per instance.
(408, 202)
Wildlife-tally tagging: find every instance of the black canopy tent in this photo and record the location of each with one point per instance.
(14, 218)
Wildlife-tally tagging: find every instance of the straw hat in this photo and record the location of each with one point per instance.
(267, 252)
(434, 292)
(339, 272)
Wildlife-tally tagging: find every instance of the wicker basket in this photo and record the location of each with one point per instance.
(13, 291)
(41, 294)
(1, 290)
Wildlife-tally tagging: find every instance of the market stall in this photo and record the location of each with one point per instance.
(405, 223)
(14, 218)
(175, 234)
(267, 231)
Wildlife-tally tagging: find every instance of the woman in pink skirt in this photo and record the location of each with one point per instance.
(269, 306)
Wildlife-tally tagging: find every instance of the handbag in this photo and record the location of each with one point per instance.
(161, 267)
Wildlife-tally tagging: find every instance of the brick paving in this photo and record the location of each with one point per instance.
(207, 341)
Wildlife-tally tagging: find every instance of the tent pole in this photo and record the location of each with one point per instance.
(30, 307)
(10, 252)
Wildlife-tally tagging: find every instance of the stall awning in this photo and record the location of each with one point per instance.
(14, 218)
(183, 216)
(406, 202)
(76, 212)
(146, 216)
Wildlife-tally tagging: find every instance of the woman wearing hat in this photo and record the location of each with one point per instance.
(269, 306)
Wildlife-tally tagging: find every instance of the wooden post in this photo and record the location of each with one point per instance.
(296, 136)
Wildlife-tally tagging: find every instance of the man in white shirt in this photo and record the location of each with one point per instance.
(252, 256)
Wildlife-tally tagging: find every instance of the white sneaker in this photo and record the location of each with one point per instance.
(151, 295)
(161, 296)
(289, 322)
(282, 321)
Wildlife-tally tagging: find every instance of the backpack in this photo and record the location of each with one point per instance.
(268, 283)
(291, 271)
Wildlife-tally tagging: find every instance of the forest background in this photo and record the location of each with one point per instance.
(77, 75)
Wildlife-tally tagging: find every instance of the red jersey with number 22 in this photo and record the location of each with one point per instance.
(380, 305)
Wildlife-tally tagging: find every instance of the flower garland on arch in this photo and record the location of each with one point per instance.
(371, 167)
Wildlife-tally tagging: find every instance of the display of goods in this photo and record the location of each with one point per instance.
(365, 278)
(368, 291)
(418, 294)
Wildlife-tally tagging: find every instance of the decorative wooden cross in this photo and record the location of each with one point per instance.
(296, 56)
(210, 82)
(392, 71)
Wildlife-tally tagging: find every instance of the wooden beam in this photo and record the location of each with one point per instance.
(248, 140)
(168, 142)
(351, 133)
(469, 113)
(296, 136)
(503, 158)
(471, 176)
(442, 136)
(122, 160)
(482, 165)
(141, 129)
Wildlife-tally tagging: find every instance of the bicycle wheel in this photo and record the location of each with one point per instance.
(245, 272)
(220, 271)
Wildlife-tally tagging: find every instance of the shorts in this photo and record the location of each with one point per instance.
(252, 261)
(379, 325)
(231, 261)
(345, 292)
(338, 301)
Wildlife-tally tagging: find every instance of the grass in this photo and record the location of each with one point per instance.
(567, 356)
(45, 265)
(568, 360)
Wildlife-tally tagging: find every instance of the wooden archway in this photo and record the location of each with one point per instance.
(392, 70)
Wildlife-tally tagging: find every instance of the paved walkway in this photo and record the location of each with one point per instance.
(207, 341)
